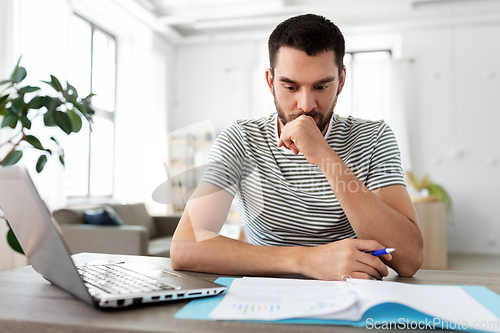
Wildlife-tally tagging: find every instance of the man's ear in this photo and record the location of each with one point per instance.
(269, 79)
(341, 81)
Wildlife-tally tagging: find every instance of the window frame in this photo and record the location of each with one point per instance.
(99, 113)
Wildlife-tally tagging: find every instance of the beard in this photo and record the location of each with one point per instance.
(322, 120)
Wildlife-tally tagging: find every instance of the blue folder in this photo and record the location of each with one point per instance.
(389, 313)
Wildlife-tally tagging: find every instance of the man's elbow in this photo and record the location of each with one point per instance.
(413, 263)
(178, 260)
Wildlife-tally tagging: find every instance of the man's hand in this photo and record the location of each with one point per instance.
(345, 257)
(303, 135)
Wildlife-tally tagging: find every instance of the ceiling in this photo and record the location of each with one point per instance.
(195, 19)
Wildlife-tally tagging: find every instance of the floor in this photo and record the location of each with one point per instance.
(474, 262)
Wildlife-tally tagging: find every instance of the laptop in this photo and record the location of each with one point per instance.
(108, 285)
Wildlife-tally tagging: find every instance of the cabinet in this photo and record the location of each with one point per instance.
(432, 218)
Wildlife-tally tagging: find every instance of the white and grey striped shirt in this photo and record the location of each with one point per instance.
(282, 199)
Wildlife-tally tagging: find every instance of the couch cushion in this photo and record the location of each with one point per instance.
(136, 214)
(160, 247)
(68, 216)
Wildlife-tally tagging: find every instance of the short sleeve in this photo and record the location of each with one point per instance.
(385, 163)
(225, 167)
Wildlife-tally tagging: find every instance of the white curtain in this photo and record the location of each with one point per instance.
(380, 91)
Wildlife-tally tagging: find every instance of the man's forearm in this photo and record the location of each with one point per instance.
(222, 255)
(372, 218)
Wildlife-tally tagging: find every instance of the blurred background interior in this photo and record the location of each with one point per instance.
(171, 74)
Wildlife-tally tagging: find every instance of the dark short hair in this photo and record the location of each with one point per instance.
(310, 33)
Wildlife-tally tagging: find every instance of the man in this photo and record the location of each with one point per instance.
(315, 191)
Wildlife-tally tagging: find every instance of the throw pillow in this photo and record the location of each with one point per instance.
(99, 217)
(114, 215)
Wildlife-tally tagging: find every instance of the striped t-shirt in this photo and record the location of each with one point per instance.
(283, 200)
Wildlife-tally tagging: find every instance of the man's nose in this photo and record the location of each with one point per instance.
(306, 101)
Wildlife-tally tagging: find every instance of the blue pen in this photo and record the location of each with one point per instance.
(382, 252)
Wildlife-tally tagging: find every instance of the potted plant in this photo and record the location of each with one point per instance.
(20, 104)
(430, 191)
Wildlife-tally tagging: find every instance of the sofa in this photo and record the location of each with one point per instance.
(134, 231)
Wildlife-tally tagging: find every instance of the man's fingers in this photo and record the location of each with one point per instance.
(288, 144)
(368, 245)
(373, 262)
(360, 275)
(294, 148)
(370, 270)
(387, 256)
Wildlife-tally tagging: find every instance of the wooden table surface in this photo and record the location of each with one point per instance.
(29, 303)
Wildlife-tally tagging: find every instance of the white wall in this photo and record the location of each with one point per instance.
(455, 121)
(222, 82)
(453, 114)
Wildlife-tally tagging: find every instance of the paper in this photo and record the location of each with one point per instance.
(275, 299)
(450, 303)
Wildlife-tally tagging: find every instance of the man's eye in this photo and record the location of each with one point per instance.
(321, 87)
(290, 88)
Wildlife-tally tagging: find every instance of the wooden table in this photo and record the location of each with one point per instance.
(28, 303)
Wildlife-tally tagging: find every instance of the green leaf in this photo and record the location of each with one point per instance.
(80, 107)
(36, 102)
(54, 139)
(13, 158)
(61, 159)
(49, 151)
(48, 118)
(54, 82)
(18, 75)
(41, 163)
(13, 242)
(28, 89)
(4, 82)
(4, 100)
(19, 60)
(76, 121)
(10, 119)
(17, 105)
(62, 120)
(25, 122)
(71, 91)
(33, 140)
(52, 103)
(88, 98)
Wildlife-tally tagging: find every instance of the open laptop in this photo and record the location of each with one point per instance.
(110, 285)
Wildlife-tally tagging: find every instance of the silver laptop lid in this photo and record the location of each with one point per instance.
(37, 232)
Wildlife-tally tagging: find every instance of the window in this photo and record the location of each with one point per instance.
(92, 69)
(367, 88)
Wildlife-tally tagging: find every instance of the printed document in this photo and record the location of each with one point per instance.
(275, 299)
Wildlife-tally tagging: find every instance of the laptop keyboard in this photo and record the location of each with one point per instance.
(119, 280)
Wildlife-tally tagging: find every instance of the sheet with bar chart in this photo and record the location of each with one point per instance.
(274, 299)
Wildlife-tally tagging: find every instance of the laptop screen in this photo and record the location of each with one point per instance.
(37, 232)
